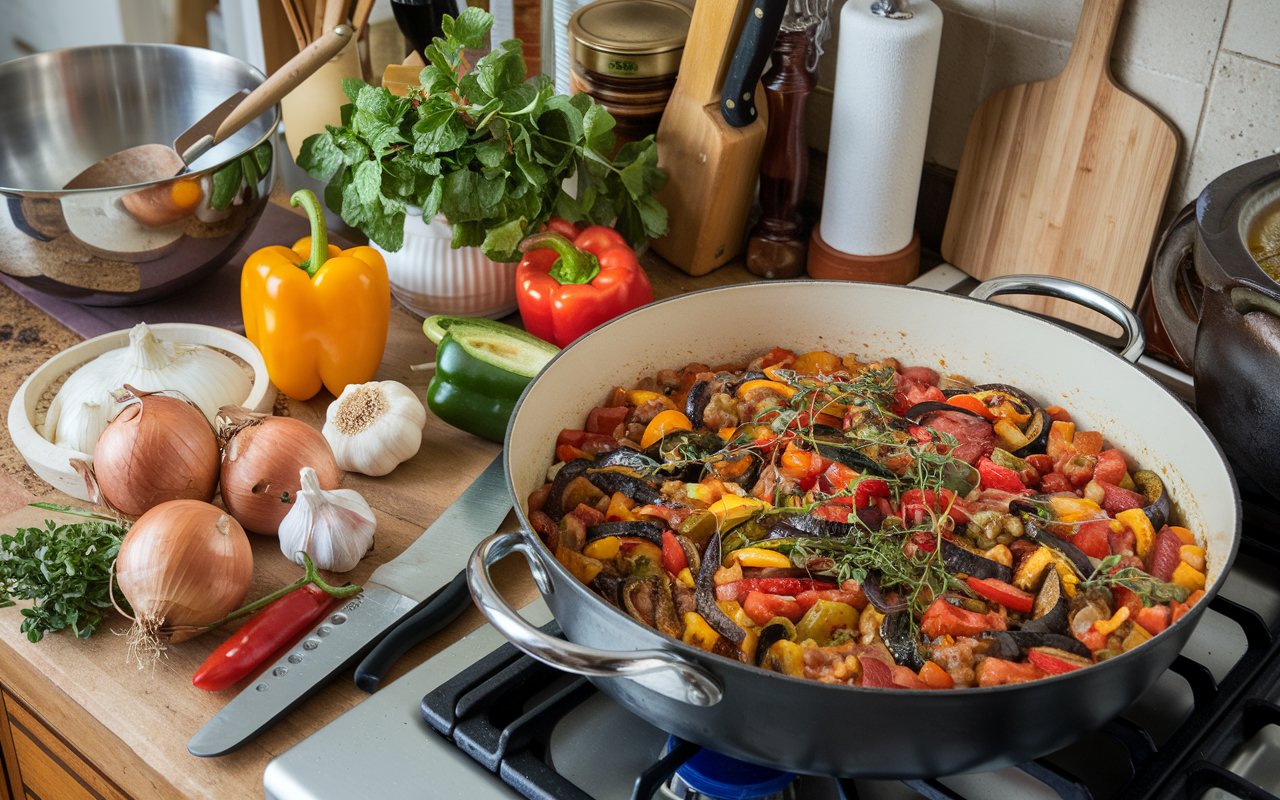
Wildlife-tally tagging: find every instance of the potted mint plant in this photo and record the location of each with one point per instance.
(483, 153)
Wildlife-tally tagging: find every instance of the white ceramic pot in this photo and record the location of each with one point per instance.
(430, 277)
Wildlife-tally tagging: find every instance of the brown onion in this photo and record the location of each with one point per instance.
(262, 457)
(157, 449)
(183, 565)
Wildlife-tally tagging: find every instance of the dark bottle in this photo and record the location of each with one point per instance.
(419, 20)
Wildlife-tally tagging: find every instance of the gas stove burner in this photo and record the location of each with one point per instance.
(708, 775)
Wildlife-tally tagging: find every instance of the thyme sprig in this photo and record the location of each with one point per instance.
(1150, 589)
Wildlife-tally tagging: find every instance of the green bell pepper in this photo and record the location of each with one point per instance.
(482, 367)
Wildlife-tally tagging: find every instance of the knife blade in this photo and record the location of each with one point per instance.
(394, 591)
(737, 94)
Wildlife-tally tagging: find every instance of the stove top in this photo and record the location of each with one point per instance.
(479, 720)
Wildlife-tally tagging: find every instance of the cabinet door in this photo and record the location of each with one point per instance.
(41, 764)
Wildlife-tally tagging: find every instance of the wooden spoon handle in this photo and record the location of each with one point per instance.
(284, 80)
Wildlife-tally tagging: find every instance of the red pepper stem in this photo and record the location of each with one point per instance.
(319, 236)
(312, 576)
(573, 266)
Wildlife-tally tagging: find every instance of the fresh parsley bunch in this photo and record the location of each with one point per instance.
(488, 148)
(65, 569)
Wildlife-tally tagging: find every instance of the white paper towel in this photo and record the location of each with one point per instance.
(883, 89)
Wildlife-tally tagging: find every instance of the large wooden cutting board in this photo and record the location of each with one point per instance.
(1064, 177)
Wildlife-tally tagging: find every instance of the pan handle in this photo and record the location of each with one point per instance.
(1135, 340)
(666, 673)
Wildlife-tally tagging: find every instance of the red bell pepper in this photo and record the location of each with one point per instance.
(997, 591)
(565, 288)
(761, 607)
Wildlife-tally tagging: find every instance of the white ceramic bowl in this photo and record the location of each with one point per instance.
(52, 462)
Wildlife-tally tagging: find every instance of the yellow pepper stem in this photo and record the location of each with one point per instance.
(319, 236)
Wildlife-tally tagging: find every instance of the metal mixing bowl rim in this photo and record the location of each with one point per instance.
(60, 192)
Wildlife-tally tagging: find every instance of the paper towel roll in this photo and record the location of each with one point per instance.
(883, 89)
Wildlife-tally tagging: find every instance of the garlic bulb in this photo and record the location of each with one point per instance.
(374, 427)
(335, 527)
(83, 406)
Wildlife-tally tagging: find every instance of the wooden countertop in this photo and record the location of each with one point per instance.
(134, 725)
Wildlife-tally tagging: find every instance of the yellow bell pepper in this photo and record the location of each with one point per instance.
(759, 557)
(318, 314)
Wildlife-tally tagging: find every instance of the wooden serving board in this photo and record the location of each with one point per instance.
(1064, 177)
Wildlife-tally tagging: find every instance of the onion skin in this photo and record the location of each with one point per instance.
(183, 565)
(158, 449)
(260, 466)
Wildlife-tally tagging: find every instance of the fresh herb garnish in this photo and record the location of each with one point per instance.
(65, 569)
(487, 147)
(1150, 589)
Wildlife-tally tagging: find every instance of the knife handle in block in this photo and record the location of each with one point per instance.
(759, 31)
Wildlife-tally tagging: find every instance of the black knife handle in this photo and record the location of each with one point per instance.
(738, 94)
(434, 615)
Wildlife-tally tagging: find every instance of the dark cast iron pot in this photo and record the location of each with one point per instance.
(806, 726)
(1230, 333)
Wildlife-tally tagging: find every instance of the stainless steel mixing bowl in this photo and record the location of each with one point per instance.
(64, 110)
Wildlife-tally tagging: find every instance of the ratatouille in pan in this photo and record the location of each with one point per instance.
(866, 523)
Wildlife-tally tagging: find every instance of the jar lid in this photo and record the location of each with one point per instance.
(630, 38)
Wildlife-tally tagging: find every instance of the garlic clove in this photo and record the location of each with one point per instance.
(335, 527)
(374, 427)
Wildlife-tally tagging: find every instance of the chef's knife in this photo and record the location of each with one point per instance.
(738, 93)
(394, 591)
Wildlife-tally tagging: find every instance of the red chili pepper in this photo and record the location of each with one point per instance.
(273, 627)
(1005, 594)
(565, 288)
(270, 629)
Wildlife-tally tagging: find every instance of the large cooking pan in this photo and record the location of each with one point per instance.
(806, 726)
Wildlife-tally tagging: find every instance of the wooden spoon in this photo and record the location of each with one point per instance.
(150, 162)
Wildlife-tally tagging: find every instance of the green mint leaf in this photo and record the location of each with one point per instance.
(597, 129)
(491, 193)
(653, 215)
(382, 104)
(470, 28)
(502, 243)
(352, 87)
(491, 153)
(467, 234)
(500, 69)
(226, 182)
(441, 57)
(561, 119)
(461, 199)
(353, 149)
(438, 132)
(431, 201)
(435, 80)
(368, 182)
(333, 191)
(521, 99)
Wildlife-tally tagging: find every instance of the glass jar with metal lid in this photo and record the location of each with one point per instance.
(625, 54)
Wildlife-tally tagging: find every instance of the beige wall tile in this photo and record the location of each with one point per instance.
(1018, 57)
(1253, 29)
(1175, 37)
(1240, 118)
(982, 9)
(1050, 19)
(966, 42)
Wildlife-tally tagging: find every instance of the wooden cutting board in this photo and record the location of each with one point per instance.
(711, 166)
(1064, 177)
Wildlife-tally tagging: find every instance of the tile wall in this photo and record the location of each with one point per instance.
(1211, 67)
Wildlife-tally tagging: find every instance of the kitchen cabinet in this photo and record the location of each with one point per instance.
(39, 763)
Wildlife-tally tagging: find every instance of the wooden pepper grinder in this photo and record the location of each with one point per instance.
(777, 243)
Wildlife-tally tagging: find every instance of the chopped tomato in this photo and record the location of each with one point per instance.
(916, 505)
(1116, 499)
(1079, 468)
(1087, 443)
(906, 678)
(567, 453)
(911, 393)
(1058, 413)
(876, 673)
(1042, 462)
(944, 619)
(1127, 598)
(1154, 618)
(1060, 435)
(800, 465)
(1111, 467)
(993, 476)
(763, 607)
(1005, 594)
(856, 599)
(790, 587)
(867, 489)
(1054, 482)
(836, 477)
(591, 443)
(673, 556)
(1092, 538)
(778, 357)
(998, 672)
(1165, 554)
(837, 509)
(587, 515)
(606, 420)
(935, 677)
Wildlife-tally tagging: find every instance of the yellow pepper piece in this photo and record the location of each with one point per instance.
(1066, 574)
(1188, 576)
(1010, 436)
(786, 657)
(604, 548)
(1108, 626)
(727, 433)
(638, 397)
(731, 510)
(1185, 535)
(1193, 555)
(665, 422)
(582, 567)
(759, 557)
(697, 632)
(686, 578)
(1029, 571)
(319, 321)
(1074, 509)
(1136, 636)
(1136, 520)
(823, 619)
(775, 386)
